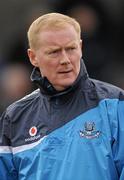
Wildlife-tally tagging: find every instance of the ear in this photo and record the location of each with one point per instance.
(81, 46)
(32, 57)
(81, 43)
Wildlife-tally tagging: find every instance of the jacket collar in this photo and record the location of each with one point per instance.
(47, 88)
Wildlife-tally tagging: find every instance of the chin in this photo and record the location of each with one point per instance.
(64, 83)
(68, 83)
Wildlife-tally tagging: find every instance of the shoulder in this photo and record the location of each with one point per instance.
(24, 104)
(107, 90)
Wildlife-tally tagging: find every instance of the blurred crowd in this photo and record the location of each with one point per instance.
(102, 33)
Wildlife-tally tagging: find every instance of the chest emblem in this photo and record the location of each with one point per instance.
(89, 131)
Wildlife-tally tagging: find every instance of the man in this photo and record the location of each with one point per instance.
(72, 127)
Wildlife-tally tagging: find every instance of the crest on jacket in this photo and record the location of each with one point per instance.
(89, 131)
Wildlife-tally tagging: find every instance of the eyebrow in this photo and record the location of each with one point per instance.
(50, 48)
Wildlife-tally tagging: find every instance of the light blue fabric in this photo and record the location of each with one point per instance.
(66, 154)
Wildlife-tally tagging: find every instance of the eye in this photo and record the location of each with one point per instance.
(53, 52)
(71, 48)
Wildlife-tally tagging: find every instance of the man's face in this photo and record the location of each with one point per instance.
(58, 57)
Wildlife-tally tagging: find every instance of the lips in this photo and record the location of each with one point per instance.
(67, 71)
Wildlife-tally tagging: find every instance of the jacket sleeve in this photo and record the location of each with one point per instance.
(7, 170)
(118, 145)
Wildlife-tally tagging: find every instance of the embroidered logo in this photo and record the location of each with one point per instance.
(89, 131)
(33, 131)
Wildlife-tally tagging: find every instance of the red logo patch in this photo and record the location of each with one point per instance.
(33, 131)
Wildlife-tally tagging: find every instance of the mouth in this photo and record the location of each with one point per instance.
(65, 72)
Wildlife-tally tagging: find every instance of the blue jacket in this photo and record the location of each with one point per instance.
(76, 134)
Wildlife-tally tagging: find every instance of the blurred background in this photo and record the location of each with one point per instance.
(102, 23)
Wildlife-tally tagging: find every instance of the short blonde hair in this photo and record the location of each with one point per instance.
(52, 21)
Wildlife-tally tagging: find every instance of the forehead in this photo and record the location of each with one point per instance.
(59, 36)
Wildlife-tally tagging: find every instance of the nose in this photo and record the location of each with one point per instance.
(64, 58)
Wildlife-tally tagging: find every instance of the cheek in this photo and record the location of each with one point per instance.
(76, 61)
(77, 55)
(76, 66)
(49, 70)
